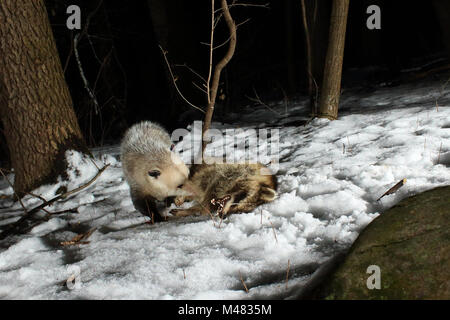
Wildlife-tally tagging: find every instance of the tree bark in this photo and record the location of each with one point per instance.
(35, 103)
(309, 60)
(290, 55)
(442, 9)
(212, 92)
(318, 17)
(331, 86)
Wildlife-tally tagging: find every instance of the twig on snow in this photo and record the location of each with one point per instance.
(18, 225)
(394, 188)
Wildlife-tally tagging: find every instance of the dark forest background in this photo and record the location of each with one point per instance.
(119, 55)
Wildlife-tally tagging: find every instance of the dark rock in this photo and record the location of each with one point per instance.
(409, 242)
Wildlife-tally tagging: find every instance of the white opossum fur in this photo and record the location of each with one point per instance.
(151, 169)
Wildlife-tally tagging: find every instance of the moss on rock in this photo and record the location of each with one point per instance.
(410, 243)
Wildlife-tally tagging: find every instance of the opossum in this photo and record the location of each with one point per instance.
(223, 189)
(153, 171)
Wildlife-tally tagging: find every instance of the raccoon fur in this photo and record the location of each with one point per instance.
(151, 169)
(223, 189)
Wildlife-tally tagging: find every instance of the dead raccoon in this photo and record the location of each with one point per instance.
(227, 188)
(151, 169)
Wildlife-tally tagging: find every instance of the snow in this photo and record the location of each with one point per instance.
(330, 174)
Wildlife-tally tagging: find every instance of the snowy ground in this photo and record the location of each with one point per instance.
(330, 175)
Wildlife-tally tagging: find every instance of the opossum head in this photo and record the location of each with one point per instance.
(159, 176)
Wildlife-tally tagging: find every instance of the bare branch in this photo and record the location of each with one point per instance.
(174, 81)
(191, 70)
(219, 67)
(238, 4)
(313, 94)
(226, 41)
(234, 4)
(243, 283)
(18, 198)
(217, 20)
(200, 88)
(74, 47)
(287, 272)
(103, 63)
(257, 99)
(16, 226)
(211, 48)
(70, 53)
(394, 189)
(78, 239)
(83, 77)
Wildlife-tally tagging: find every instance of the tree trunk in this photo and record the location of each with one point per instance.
(309, 59)
(35, 103)
(212, 90)
(290, 55)
(442, 9)
(331, 86)
(315, 18)
(318, 17)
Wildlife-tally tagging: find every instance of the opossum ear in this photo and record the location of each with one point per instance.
(268, 194)
(154, 173)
